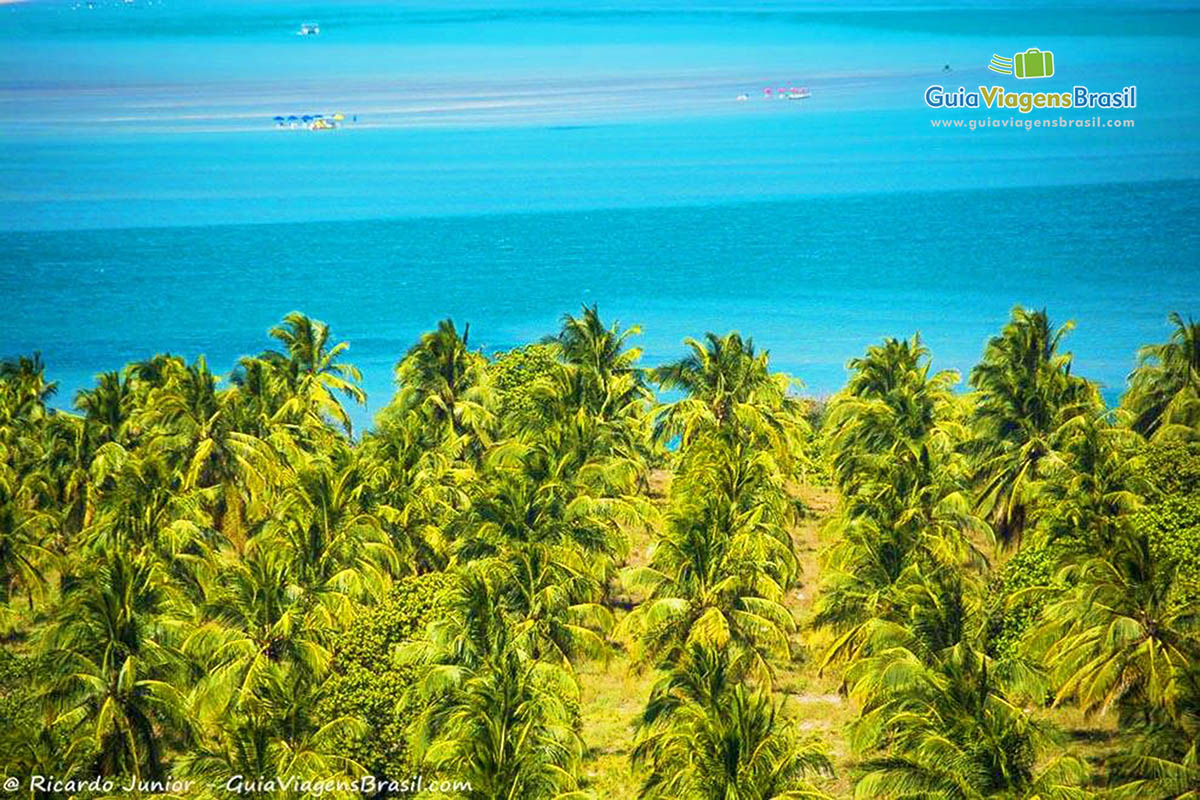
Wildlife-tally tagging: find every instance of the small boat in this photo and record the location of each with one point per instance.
(309, 29)
(801, 93)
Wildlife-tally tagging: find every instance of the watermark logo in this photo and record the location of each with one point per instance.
(1033, 63)
(1001, 64)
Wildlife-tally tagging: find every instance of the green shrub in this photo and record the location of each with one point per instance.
(1036, 564)
(1172, 469)
(1171, 517)
(366, 681)
(517, 375)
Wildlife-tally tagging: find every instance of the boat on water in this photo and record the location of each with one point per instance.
(788, 93)
(309, 29)
(312, 122)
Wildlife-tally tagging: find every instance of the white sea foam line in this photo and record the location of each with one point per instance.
(565, 101)
(271, 92)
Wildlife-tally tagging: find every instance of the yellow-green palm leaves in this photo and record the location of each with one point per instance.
(1025, 392)
(1164, 391)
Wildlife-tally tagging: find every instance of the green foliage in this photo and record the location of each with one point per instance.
(718, 575)
(28, 744)
(1164, 390)
(894, 438)
(1171, 518)
(521, 377)
(445, 385)
(366, 680)
(706, 736)
(207, 578)
(1025, 394)
(1012, 607)
(493, 712)
(1172, 468)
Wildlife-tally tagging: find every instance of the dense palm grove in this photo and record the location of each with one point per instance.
(210, 578)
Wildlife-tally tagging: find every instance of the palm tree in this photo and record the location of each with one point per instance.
(193, 425)
(414, 485)
(507, 732)
(261, 395)
(447, 383)
(24, 390)
(1164, 390)
(311, 373)
(891, 424)
(608, 450)
(939, 718)
(869, 572)
(495, 717)
(1120, 635)
(1157, 770)
(1025, 392)
(115, 683)
(894, 443)
(1091, 492)
(66, 458)
(730, 388)
(552, 595)
(256, 631)
(336, 551)
(106, 409)
(276, 739)
(946, 730)
(23, 529)
(138, 499)
(528, 494)
(611, 378)
(707, 585)
(705, 736)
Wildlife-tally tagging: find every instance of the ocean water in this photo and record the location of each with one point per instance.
(505, 162)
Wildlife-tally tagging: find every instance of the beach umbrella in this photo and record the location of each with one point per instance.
(292, 118)
(339, 116)
(279, 119)
(306, 118)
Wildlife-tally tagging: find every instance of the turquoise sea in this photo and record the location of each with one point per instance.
(503, 163)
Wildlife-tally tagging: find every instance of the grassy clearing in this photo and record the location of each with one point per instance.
(613, 696)
(614, 693)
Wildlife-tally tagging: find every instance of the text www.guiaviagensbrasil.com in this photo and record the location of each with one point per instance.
(1023, 124)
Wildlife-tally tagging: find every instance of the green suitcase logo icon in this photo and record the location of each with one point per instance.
(1033, 63)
